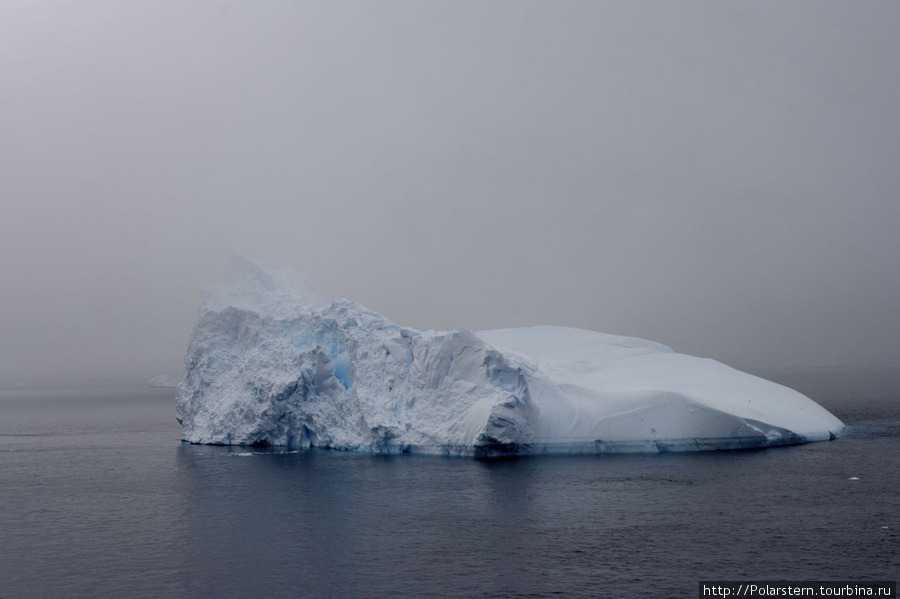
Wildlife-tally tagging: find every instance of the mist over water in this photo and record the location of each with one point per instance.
(718, 177)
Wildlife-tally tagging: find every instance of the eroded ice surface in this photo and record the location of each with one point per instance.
(271, 362)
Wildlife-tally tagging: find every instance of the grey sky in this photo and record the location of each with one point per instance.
(719, 176)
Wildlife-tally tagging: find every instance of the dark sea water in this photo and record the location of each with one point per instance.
(98, 498)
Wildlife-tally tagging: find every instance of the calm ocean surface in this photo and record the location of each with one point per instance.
(98, 498)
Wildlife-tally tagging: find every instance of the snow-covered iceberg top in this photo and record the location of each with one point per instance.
(270, 362)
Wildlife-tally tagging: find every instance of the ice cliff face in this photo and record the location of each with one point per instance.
(271, 363)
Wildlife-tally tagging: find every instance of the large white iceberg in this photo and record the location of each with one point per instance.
(272, 363)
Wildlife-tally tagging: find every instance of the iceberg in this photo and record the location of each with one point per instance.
(164, 380)
(270, 362)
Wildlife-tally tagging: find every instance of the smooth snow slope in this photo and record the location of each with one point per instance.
(271, 362)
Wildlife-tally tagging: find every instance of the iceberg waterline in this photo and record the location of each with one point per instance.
(271, 363)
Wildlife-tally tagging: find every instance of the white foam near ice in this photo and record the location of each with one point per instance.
(270, 362)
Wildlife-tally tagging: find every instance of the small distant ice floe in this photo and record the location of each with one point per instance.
(164, 380)
(854, 478)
